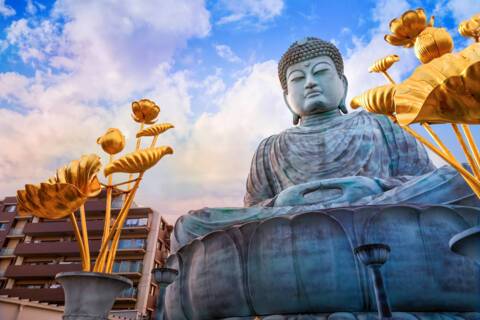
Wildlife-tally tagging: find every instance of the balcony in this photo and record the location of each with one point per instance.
(70, 248)
(94, 227)
(7, 253)
(15, 233)
(42, 295)
(67, 249)
(40, 270)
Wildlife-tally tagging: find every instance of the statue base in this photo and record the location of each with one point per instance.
(304, 264)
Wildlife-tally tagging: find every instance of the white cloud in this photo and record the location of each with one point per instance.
(261, 10)
(6, 10)
(226, 53)
(462, 9)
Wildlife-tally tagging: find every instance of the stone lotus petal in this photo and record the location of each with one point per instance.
(138, 161)
(406, 28)
(384, 64)
(376, 100)
(113, 141)
(145, 111)
(155, 130)
(471, 27)
(82, 174)
(445, 90)
(48, 200)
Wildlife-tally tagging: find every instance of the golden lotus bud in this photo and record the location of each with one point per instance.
(470, 28)
(138, 161)
(432, 43)
(145, 111)
(376, 100)
(406, 28)
(113, 141)
(155, 130)
(384, 64)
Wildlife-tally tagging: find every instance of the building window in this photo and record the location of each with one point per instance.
(131, 244)
(10, 208)
(129, 293)
(136, 222)
(3, 226)
(127, 266)
(152, 290)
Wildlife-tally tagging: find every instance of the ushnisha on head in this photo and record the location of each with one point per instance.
(311, 74)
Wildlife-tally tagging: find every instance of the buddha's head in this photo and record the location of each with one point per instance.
(311, 74)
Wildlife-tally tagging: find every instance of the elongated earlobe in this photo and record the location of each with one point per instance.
(296, 117)
(342, 105)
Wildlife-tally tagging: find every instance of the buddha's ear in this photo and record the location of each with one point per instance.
(342, 105)
(296, 117)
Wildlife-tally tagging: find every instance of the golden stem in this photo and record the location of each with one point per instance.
(99, 264)
(85, 237)
(76, 230)
(108, 205)
(472, 144)
(471, 181)
(385, 73)
(137, 147)
(113, 249)
(437, 140)
(468, 155)
(154, 141)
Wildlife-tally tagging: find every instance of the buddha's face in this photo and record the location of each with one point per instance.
(314, 86)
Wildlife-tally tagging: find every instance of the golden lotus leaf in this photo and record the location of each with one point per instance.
(138, 161)
(406, 28)
(376, 100)
(82, 174)
(432, 43)
(145, 111)
(384, 64)
(113, 141)
(470, 28)
(51, 201)
(155, 130)
(445, 90)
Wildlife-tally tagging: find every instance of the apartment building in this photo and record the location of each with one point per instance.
(33, 250)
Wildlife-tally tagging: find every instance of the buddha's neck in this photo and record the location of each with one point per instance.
(319, 118)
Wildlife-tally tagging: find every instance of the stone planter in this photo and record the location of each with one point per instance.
(90, 295)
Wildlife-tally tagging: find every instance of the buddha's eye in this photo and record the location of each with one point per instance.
(296, 76)
(320, 71)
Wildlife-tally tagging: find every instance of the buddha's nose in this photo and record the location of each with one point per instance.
(310, 84)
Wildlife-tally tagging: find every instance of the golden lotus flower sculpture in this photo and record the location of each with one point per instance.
(406, 28)
(113, 141)
(145, 111)
(155, 130)
(50, 201)
(412, 30)
(445, 89)
(138, 161)
(471, 28)
(64, 193)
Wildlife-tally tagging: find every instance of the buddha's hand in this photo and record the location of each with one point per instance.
(342, 191)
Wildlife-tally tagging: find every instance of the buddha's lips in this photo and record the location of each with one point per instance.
(312, 94)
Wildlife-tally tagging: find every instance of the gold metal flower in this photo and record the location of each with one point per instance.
(433, 43)
(64, 193)
(384, 64)
(406, 28)
(155, 130)
(145, 111)
(471, 28)
(113, 141)
(138, 161)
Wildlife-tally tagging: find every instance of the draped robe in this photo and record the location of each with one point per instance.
(357, 144)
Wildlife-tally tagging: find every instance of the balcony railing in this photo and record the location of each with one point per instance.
(129, 293)
(16, 232)
(7, 252)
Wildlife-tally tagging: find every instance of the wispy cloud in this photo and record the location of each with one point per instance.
(6, 10)
(259, 10)
(226, 53)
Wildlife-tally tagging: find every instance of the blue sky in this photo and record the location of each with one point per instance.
(70, 69)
